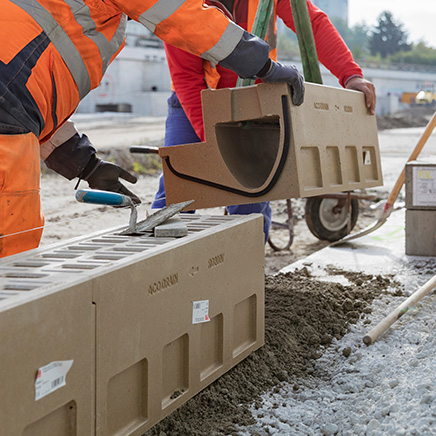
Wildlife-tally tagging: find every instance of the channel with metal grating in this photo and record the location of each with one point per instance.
(66, 261)
(122, 312)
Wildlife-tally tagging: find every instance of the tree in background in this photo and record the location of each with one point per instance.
(387, 42)
(388, 37)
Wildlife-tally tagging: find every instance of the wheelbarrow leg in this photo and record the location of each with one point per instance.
(289, 225)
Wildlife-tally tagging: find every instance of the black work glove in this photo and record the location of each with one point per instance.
(284, 73)
(105, 176)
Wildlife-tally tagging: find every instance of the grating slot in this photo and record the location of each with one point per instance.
(189, 217)
(86, 247)
(161, 241)
(145, 243)
(214, 223)
(79, 266)
(130, 249)
(58, 271)
(60, 255)
(108, 257)
(113, 240)
(148, 247)
(20, 287)
(225, 218)
(24, 275)
(197, 227)
(8, 294)
(31, 264)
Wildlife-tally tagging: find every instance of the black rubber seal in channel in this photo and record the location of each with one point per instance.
(286, 138)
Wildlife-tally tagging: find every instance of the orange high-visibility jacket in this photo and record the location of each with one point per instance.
(54, 52)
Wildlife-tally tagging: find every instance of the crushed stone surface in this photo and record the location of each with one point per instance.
(387, 388)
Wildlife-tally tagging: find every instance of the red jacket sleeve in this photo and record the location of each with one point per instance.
(187, 75)
(332, 51)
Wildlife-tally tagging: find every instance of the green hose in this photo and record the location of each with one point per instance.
(306, 41)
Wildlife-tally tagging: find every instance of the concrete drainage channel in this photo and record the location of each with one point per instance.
(111, 333)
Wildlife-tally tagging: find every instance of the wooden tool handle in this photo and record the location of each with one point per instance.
(385, 323)
(415, 153)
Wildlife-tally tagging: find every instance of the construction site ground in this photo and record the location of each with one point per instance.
(314, 376)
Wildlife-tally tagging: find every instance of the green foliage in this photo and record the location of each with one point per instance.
(363, 43)
(419, 54)
(388, 37)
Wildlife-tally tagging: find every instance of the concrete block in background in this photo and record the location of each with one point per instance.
(421, 185)
(147, 323)
(260, 147)
(421, 232)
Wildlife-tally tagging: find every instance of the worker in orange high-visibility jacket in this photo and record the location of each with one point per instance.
(54, 52)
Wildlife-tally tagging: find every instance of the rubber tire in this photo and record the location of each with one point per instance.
(314, 222)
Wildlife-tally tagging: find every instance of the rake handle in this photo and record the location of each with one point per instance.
(385, 323)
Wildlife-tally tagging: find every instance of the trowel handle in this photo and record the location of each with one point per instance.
(94, 196)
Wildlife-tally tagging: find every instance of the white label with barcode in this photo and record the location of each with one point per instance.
(51, 377)
(200, 312)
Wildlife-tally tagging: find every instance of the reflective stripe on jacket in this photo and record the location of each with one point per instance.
(243, 13)
(86, 40)
(55, 51)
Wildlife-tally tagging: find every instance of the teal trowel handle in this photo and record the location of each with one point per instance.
(94, 196)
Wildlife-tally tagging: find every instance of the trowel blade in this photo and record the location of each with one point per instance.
(157, 218)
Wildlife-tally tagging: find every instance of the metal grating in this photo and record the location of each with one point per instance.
(76, 259)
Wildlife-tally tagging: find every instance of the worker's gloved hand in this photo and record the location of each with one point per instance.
(285, 73)
(105, 176)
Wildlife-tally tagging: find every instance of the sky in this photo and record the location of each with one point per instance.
(417, 16)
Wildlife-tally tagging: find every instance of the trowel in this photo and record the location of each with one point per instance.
(95, 196)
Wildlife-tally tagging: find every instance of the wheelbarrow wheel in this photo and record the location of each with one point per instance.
(328, 219)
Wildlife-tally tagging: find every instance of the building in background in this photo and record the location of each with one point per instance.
(138, 81)
(334, 8)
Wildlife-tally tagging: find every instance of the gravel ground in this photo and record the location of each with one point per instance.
(385, 389)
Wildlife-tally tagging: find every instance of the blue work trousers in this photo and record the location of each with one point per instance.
(178, 130)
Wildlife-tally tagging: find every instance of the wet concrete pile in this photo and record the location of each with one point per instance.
(303, 315)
